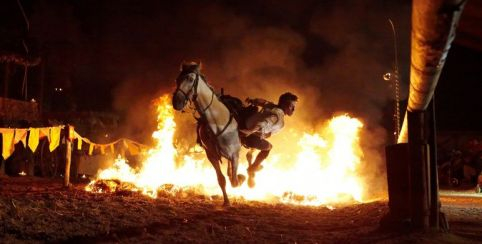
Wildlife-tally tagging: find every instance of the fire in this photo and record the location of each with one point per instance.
(319, 168)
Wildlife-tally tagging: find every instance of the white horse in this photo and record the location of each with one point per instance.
(217, 130)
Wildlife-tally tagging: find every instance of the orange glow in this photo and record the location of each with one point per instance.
(319, 168)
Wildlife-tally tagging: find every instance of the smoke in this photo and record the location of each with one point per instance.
(331, 55)
(334, 64)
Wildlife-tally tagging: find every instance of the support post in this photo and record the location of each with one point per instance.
(68, 153)
(398, 180)
(434, 197)
(419, 154)
(2, 167)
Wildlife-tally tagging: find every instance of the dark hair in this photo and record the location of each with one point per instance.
(286, 98)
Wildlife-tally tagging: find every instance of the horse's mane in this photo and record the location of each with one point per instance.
(190, 67)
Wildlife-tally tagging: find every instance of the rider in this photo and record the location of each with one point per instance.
(261, 125)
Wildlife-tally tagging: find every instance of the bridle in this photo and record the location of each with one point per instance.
(194, 92)
(193, 99)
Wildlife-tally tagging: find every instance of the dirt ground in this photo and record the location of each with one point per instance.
(36, 210)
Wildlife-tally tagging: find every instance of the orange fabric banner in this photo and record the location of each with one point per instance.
(133, 149)
(20, 136)
(44, 132)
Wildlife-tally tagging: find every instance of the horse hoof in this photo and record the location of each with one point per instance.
(241, 179)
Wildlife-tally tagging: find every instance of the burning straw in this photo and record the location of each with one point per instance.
(316, 168)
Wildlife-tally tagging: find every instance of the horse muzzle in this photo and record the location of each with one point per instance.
(179, 101)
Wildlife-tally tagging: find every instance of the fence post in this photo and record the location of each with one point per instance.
(68, 153)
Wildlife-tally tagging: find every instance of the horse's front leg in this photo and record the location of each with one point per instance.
(221, 179)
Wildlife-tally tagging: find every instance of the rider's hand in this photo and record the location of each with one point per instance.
(249, 100)
(246, 132)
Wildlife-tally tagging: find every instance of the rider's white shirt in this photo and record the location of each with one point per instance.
(270, 120)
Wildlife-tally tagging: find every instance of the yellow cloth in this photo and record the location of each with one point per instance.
(54, 138)
(79, 143)
(112, 148)
(33, 139)
(133, 149)
(91, 148)
(79, 140)
(8, 146)
(20, 136)
(102, 149)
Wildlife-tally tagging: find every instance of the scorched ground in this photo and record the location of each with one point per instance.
(39, 210)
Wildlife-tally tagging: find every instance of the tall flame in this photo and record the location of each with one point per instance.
(320, 168)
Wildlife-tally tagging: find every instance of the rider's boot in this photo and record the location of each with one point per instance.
(252, 173)
(256, 166)
(251, 182)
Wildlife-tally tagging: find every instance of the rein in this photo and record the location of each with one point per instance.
(201, 111)
(194, 89)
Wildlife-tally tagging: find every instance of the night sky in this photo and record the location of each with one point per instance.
(119, 55)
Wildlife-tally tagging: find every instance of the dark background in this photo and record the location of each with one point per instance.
(116, 56)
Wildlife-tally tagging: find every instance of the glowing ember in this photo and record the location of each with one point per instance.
(319, 168)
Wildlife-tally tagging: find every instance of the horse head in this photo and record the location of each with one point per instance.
(186, 84)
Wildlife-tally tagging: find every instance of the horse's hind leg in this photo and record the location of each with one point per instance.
(235, 178)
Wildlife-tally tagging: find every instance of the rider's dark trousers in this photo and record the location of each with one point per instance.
(256, 142)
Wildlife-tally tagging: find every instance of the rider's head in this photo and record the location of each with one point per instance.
(287, 103)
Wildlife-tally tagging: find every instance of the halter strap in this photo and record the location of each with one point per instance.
(202, 112)
(226, 126)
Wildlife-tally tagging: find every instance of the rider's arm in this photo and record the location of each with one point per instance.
(251, 130)
(264, 125)
(257, 101)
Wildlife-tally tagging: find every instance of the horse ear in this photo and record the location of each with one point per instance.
(182, 65)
